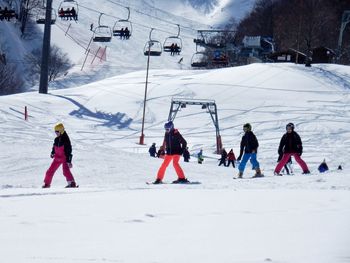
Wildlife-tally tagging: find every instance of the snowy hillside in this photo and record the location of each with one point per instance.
(115, 217)
(122, 56)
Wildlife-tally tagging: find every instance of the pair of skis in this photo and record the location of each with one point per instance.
(185, 183)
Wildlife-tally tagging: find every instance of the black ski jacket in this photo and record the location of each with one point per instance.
(223, 155)
(290, 143)
(63, 140)
(174, 142)
(249, 143)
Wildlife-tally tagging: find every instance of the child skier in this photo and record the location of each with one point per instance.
(175, 145)
(200, 157)
(231, 158)
(323, 167)
(249, 150)
(223, 157)
(62, 155)
(152, 150)
(290, 145)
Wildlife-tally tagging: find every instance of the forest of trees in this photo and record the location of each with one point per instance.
(298, 24)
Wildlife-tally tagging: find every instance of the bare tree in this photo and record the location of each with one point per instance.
(9, 81)
(26, 8)
(298, 24)
(59, 63)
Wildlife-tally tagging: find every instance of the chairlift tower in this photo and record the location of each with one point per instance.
(44, 72)
(209, 105)
(215, 43)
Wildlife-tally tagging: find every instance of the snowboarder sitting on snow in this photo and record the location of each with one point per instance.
(290, 145)
(323, 167)
(186, 155)
(223, 157)
(231, 158)
(174, 144)
(62, 155)
(200, 157)
(152, 150)
(249, 150)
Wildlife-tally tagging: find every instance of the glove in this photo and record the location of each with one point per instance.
(239, 158)
(52, 155)
(70, 165)
(300, 153)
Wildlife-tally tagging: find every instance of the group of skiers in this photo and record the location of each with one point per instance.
(7, 14)
(229, 157)
(125, 33)
(174, 146)
(70, 13)
(174, 49)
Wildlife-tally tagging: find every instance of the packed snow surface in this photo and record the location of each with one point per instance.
(114, 216)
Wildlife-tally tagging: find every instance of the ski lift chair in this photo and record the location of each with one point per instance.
(169, 41)
(41, 16)
(200, 60)
(102, 34)
(173, 40)
(68, 5)
(119, 29)
(120, 26)
(154, 47)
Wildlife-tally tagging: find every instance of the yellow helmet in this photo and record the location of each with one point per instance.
(59, 127)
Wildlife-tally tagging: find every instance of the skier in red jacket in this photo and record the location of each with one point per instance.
(231, 158)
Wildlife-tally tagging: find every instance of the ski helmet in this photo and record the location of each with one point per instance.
(247, 126)
(290, 125)
(59, 128)
(169, 125)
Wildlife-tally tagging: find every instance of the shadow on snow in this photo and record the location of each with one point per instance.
(118, 119)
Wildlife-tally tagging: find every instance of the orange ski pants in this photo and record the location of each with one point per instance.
(167, 159)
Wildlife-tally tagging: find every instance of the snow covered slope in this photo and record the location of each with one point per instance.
(109, 113)
(115, 217)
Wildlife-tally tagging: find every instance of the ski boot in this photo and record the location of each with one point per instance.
(71, 185)
(240, 175)
(306, 172)
(258, 173)
(181, 181)
(158, 181)
(277, 174)
(46, 186)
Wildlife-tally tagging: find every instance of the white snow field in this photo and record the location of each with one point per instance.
(115, 217)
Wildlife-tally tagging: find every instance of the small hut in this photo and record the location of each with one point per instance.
(289, 55)
(323, 55)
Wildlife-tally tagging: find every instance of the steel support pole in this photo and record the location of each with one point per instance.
(45, 55)
(142, 137)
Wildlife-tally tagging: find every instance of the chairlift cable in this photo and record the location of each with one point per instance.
(155, 17)
(135, 23)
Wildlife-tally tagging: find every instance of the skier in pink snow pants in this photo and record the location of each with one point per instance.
(290, 145)
(62, 155)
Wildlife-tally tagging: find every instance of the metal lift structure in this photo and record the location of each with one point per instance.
(209, 105)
